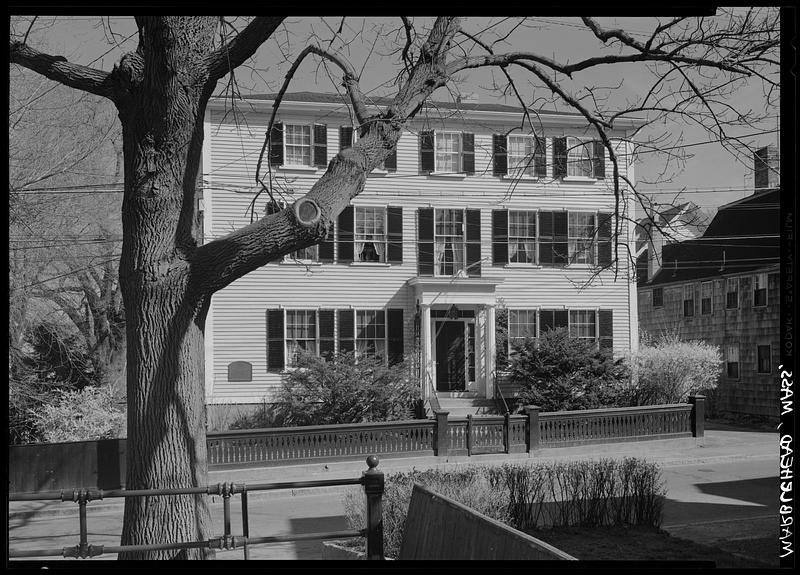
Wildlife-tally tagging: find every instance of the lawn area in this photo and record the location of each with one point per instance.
(646, 544)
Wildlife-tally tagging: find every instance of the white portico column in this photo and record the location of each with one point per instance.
(425, 344)
(490, 351)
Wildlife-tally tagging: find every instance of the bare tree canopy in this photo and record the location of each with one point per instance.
(161, 90)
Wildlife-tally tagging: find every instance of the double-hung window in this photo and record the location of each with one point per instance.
(658, 297)
(371, 332)
(732, 361)
(522, 236)
(732, 293)
(449, 241)
(370, 234)
(525, 156)
(297, 144)
(706, 292)
(521, 325)
(688, 300)
(580, 159)
(301, 333)
(582, 324)
(581, 234)
(759, 290)
(764, 359)
(448, 152)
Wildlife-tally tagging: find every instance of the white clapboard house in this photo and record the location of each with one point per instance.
(465, 223)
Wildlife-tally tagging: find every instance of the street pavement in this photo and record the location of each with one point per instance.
(721, 487)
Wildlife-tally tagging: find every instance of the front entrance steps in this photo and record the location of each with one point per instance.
(463, 403)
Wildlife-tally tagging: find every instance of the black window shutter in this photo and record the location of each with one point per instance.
(468, 153)
(599, 159)
(326, 246)
(546, 238)
(606, 328)
(394, 332)
(425, 242)
(499, 157)
(540, 158)
(499, 237)
(345, 241)
(604, 231)
(560, 243)
(426, 157)
(546, 320)
(346, 331)
(275, 347)
(394, 234)
(473, 259)
(276, 144)
(326, 337)
(560, 318)
(345, 137)
(390, 163)
(320, 145)
(559, 157)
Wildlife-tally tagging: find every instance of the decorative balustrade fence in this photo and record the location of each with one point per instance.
(439, 436)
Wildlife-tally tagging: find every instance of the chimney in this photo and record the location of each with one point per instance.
(767, 166)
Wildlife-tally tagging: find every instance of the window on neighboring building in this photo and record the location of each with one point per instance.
(521, 324)
(582, 324)
(448, 151)
(301, 332)
(706, 293)
(449, 241)
(658, 297)
(579, 158)
(759, 290)
(524, 155)
(370, 234)
(371, 332)
(688, 300)
(732, 293)
(732, 361)
(764, 359)
(522, 236)
(297, 145)
(581, 232)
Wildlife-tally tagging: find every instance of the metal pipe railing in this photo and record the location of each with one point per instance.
(372, 480)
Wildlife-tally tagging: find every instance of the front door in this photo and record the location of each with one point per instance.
(450, 359)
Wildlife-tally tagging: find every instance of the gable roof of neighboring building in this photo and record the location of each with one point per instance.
(743, 237)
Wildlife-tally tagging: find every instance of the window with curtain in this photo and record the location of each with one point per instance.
(688, 300)
(582, 324)
(301, 332)
(521, 324)
(706, 292)
(581, 237)
(309, 254)
(448, 152)
(449, 241)
(732, 361)
(370, 234)
(579, 158)
(520, 155)
(760, 290)
(371, 332)
(522, 236)
(297, 144)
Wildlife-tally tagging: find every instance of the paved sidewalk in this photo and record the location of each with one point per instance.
(716, 446)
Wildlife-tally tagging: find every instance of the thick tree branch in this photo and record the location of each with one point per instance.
(57, 68)
(244, 45)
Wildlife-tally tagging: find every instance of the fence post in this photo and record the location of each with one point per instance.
(373, 489)
(442, 440)
(698, 416)
(469, 434)
(507, 432)
(533, 427)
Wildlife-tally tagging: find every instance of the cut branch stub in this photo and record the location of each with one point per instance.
(307, 212)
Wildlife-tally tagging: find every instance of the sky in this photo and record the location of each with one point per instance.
(101, 41)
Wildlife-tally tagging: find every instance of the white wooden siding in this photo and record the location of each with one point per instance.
(239, 311)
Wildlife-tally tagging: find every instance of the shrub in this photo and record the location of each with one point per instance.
(668, 370)
(84, 415)
(558, 372)
(580, 493)
(346, 389)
